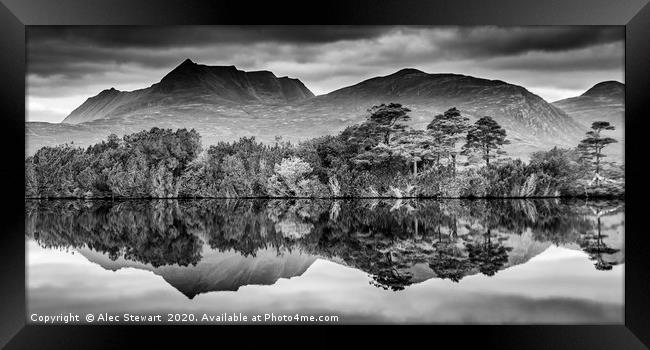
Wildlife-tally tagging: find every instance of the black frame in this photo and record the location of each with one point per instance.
(633, 14)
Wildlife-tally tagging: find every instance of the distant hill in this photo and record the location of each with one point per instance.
(224, 103)
(604, 101)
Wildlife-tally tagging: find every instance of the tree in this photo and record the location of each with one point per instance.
(31, 182)
(415, 146)
(291, 179)
(162, 144)
(163, 182)
(128, 178)
(388, 119)
(485, 136)
(592, 146)
(52, 170)
(449, 128)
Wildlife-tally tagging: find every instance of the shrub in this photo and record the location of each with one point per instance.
(293, 177)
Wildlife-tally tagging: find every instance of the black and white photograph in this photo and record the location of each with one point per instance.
(325, 174)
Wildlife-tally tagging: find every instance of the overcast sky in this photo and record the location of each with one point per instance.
(66, 65)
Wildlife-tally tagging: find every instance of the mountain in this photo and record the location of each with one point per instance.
(530, 121)
(604, 101)
(194, 83)
(225, 103)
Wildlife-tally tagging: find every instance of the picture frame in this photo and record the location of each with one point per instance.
(633, 14)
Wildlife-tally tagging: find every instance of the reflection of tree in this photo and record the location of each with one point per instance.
(489, 256)
(449, 262)
(378, 237)
(593, 244)
(150, 232)
(387, 275)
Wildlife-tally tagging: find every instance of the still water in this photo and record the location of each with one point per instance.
(364, 261)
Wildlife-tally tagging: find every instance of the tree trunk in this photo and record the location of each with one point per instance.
(453, 164)
(416, 226)
(597, 155)
(454, 231)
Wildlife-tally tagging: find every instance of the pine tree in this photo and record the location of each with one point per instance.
(449, 128)
(485, 136)
(388, 119)
(414, 146)
(592, 146)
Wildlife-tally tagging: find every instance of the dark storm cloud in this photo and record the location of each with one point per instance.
(59, 50)
(604, 57)
(74, 51)
(164, 36)
(511, 41)
(65, 65)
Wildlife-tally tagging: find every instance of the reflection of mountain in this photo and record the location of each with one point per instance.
(225, 103)
(217, 245)
(217, 271)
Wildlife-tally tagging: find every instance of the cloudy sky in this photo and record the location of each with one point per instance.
(66, 65)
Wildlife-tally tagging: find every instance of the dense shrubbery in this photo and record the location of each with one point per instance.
(381, 157)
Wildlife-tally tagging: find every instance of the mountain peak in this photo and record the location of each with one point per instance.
(231, 84)
(104, 94)
(610, 88)
(187, 64)
(406, 71)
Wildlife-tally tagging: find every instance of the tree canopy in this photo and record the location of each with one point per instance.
(487, 137)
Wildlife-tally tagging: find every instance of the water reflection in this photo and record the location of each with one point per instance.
(199, 246)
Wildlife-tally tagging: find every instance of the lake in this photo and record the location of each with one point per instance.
(363, 261)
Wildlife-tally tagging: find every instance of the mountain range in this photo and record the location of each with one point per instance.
(224, 103)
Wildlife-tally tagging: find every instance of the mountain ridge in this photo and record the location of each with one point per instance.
(608, 88)
(192, 82)
(225, 103)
